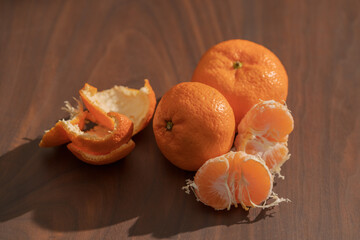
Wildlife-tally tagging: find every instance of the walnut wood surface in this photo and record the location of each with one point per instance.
(49, 49)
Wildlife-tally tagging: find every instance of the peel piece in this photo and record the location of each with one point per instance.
(57, 135)
(101, 140)
(97, 146)
(138, 105)
(101, 159)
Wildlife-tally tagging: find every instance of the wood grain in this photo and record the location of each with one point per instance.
(49, 49)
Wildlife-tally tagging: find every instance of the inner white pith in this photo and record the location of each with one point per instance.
(130, 102)
(72, 110)
(74, 128)
(264, 148)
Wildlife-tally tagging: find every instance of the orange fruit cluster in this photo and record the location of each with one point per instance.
(194, 127)
(237, 86)
(119, 113)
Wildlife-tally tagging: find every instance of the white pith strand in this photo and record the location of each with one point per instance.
(71, 110)
(112, 100)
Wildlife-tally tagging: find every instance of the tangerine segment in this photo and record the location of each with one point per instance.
(211, 182)
(276, 155)
(256, 182)
(231, 179)
(264, 130)
(57, 135)
(138, 105)
(100, 139)
(269, 119)
(100, 159)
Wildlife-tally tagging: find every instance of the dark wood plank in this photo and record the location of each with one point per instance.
(49, 49)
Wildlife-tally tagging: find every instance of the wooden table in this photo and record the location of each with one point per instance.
(49, 49)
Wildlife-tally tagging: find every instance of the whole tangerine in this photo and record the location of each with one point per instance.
(193, 123)
(244, 72)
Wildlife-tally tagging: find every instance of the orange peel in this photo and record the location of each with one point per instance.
(101, 140)
(57, 135)
(99, 145)
(138, 105)
(101, 159)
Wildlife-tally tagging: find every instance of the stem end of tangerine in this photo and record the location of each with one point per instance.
(237, 65)
(169, 125)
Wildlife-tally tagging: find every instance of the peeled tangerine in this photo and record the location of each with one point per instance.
(264, 131)
(231, 179)
(119, 113)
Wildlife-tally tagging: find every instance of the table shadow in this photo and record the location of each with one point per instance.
(63, 194)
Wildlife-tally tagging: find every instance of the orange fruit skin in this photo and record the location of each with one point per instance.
(54, 137)
(261, 76)
(98, 115)
(203, 125)
(101, 159)
(110, 140)
(102, 140)
(151, 110)
(57, 135)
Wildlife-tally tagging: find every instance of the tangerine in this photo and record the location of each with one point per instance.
(192, 123)
(244, 72)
